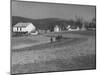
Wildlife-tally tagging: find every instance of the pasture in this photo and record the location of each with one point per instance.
(76, 51)
(27, 41)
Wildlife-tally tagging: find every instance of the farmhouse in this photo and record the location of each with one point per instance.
(57, 28)
(24, 28)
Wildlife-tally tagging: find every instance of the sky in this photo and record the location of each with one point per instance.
(37, 10)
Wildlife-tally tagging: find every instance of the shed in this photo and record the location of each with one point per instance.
(57, 28)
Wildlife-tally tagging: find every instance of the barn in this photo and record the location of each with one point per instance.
(73, 28)
(24, 28)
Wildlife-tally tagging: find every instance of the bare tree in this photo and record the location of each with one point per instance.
(79, 21)
(93, 23)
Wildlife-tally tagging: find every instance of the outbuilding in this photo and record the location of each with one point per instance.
(57, 28)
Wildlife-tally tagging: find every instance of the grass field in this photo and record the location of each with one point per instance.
(27, 41)
(75, 52)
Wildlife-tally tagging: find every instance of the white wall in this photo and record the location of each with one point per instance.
(23, 29)
(30, 27)
(56, 29)
(14, 29)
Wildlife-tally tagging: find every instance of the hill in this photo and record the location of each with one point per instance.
(45, 23)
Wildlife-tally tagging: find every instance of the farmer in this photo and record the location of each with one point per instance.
(51, 39)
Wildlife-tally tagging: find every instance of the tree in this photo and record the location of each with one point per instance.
(93, 23)
(79, 21)
(94, 20)
(51, 28)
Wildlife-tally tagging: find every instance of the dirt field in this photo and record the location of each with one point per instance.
(75, 52)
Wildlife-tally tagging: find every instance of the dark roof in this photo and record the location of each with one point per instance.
(73, 27)
(22, 24)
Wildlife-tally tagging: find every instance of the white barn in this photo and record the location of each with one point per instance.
(72, 29)
(24, 27)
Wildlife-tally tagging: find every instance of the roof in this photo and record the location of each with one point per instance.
(22, 24)
(73, 27)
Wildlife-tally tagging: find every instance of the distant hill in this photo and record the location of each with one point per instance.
(16, 19)
(41, 23)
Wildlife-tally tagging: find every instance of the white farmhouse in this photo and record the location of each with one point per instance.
(57, 28)
(24, 27)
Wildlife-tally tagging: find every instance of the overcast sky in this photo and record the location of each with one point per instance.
(45, 10)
